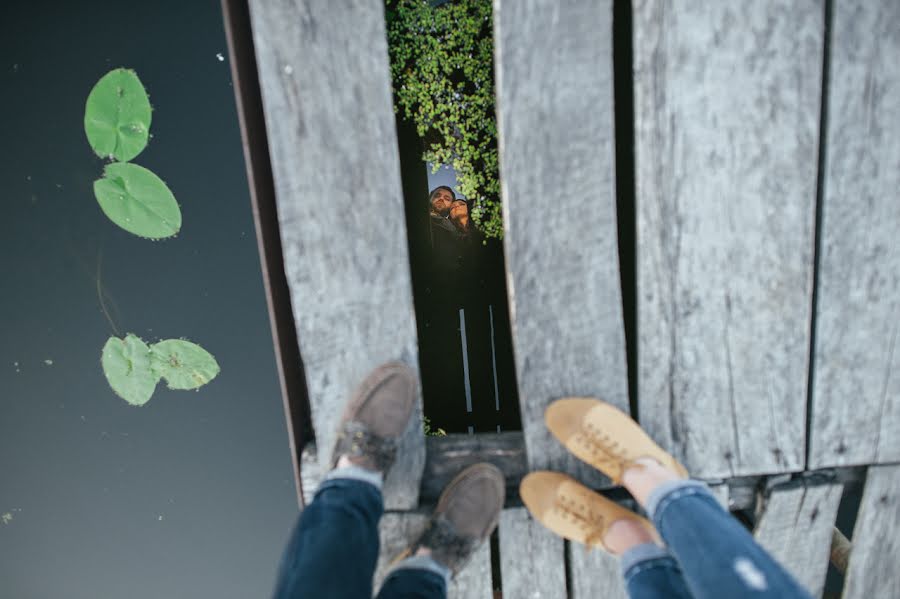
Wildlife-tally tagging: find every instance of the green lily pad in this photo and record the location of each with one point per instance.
(138, 201)
(117, 116)
(127, 366)
(183, 364)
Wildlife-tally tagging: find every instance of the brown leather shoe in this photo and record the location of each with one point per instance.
(571, 510)
(376, 417)
(604, 436)
(465, 516)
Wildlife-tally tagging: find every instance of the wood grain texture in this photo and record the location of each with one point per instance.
(449, 455)
(856, 385)
(796, 527)
(325, 82)
(727, 97)
(554, 101)
(532, 559)
(595, 574)
(872, 571)
(398, 530)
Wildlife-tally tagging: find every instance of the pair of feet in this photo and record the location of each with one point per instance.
(370, 428)
(610, 441)
(469, 508)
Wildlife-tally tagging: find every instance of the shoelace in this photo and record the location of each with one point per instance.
(591, 524)
(601, 445)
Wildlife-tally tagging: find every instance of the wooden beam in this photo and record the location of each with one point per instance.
(532, 559)
(856, 387)
(398, 530)
(595, 573)
(326, 89)
(555, 118)
(727, 97)
(872, 570)
(796, 528)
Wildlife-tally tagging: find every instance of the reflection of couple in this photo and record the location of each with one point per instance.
(467, 365)
(448, 212)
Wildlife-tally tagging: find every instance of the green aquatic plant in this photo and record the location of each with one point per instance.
(117, 116)
(138, 201)
(117, 124)
(431, 431)
(134, 368)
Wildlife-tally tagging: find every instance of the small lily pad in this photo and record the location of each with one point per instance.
(117, 116)
(183, 364)
(127, 366)
(138, 201)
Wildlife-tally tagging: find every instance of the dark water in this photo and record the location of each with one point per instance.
(191, 495)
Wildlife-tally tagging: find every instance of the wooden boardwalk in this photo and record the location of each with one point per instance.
(767, 203)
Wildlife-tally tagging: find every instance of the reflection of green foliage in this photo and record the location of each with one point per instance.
(138, 201)
(433, 432)
(133, 368)
(117, 116)
(117, 125)
(442, 68)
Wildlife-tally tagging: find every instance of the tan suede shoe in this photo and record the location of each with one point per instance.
(603, 436)
(466, 515)
(376, 417)
(573, 511)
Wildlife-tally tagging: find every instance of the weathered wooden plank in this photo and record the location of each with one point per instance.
(554, 102)
(872, 571)
(325, 83)
(595, 574)
(449, 455)
(532, 559)
(796, 527)
(856, 382)
(721, 493)
(726, 126)
(397, 530)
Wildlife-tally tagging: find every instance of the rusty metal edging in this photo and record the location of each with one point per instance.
(242, 57)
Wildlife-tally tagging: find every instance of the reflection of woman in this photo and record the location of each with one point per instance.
(465, 325)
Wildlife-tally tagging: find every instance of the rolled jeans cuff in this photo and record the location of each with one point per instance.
(670, 491)
(425, 562)
(357, 473)
(639, 554)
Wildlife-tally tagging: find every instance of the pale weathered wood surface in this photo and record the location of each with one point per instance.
(325, 82)
(532, 559)
(796, 528)
(397, 530)
(856, 388)
(595, 574)
(727, 97)
(872, 571)
(554, 102)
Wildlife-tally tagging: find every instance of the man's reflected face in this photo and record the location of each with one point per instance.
(441, 201)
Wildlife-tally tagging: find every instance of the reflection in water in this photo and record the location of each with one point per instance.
(467, 372)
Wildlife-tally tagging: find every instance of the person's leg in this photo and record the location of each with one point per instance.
(334, 547)
(336, 534)
(465, 516)
(718, 556)
(418, 577)
(579, 514)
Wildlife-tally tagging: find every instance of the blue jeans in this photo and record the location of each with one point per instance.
(334, 547)
(708, 553)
